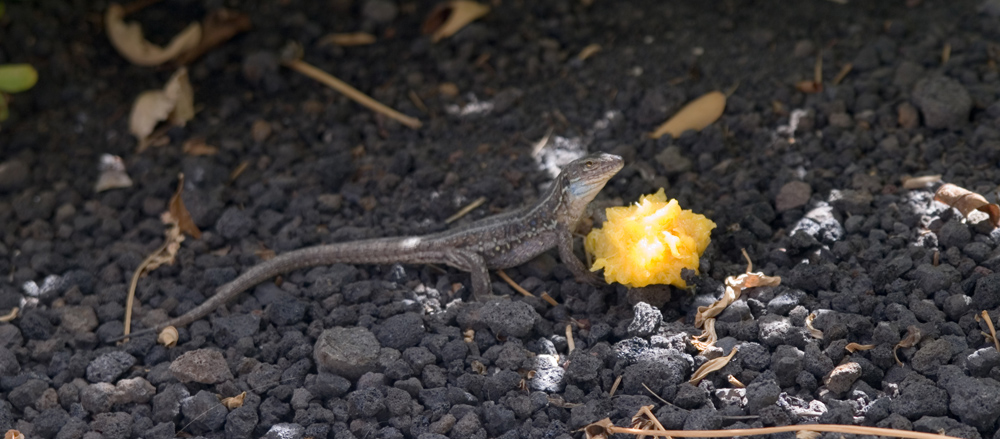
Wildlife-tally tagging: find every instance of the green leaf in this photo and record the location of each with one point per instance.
(17, 77)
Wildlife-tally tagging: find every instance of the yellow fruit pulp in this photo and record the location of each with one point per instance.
(649, 242)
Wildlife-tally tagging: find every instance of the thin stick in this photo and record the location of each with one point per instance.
(850, 429)
(351, 92)
(465, 210)
(11, 315)
(546, 297)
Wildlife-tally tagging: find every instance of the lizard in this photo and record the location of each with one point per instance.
(501, 241)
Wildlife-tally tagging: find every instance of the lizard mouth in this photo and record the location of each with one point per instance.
(596, 172)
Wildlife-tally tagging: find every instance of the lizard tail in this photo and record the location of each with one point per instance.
(375, 251)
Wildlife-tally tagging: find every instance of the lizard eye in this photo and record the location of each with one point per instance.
(589, 164)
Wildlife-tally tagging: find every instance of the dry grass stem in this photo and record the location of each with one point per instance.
(569, 338)
(465, 210)
(513, 284)
(993, 331)
(351, 92)
(614, 387)
(854, 347)
(842, 73)
(11, 315)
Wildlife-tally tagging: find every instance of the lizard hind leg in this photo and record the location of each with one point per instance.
(476, 266)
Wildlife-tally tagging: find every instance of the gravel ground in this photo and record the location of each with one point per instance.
(809, 184)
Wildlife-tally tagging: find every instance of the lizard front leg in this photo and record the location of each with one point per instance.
(565, 243)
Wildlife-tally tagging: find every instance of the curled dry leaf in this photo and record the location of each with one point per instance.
(913, 336)
(113, 175)
(711, 366)
(347, 39)
(967, 201)
(234, 402)
(128, 40)
(734, 287)
(218, 27)
(815, 333)
(168, 337)
(854, 347)
(696, 115)
(13, 434)
(175, 103)
(598, 430)
(921, 182)
(450, 17)
(708, 336)
(180, 212)
(993, 330)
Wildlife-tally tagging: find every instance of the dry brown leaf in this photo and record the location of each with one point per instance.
(180, 213)
(696, 115)
(13, 434)
(218, 27)
(967, 201)
(198, 147)
(913, 336)
(854, 347)
(234, 402)
(711, 366)
(168, 337)
(128, 40)
(614, 387)
(113, 175)
(815, 333)
(450, 17)
(921, 182)
(347, 39)
(175, 103)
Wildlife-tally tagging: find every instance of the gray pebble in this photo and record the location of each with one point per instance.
(645, 320)
(108, 367)
(13, 175)
(944, 102)
(842, 377)
(348, 352)
(204, 366)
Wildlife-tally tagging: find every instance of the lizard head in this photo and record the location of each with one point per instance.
(585, 177)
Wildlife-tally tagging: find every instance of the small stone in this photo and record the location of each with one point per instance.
(203, 412)
(79, 319)
(108, 367)
(13, 175)
(673, 160)
(907, 117)
(804, 48)
(509, 317)
(380, 11)
(348, 352)
(135, 390)
(842, 377)
(944, 102)
(645, 321)
(792, 195)
(204, 366)
(117, 425)
(841, 120)
(234, 224)
(260, 130)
